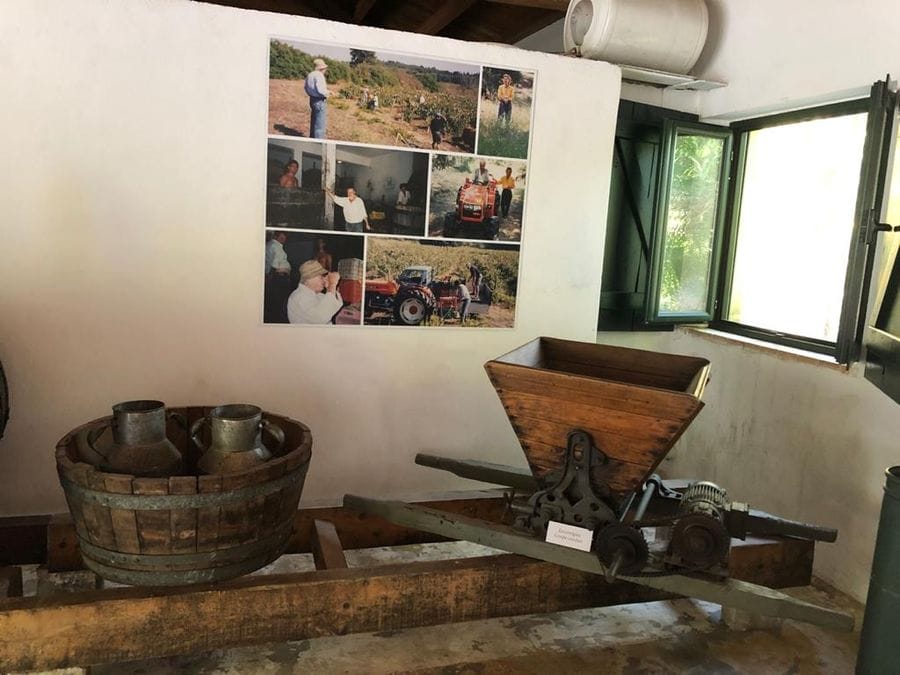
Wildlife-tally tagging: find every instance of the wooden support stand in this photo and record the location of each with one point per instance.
(124, 624)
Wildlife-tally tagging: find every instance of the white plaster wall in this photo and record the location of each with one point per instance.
(131, 214)
(800, 439)
(781, 55)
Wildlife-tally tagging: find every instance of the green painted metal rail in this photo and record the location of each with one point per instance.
(730, 592)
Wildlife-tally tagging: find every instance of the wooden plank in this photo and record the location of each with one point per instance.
(106, 535)
(91, 512)
(441, 15)
(640, 430)
(361, 9)
(558, 5)
(623, 375)
(208, 516)
(129, 624)
(154, 530)
(10, 582)
(499, 23)
(124, 522)
(639, 362)
(23, 540)
(183, 522)
(598, 393)
(544, 444)
(62, 549)
(356, 530)
(326, 547)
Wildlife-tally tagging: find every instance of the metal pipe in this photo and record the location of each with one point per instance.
(879, 648)
(649, 491)
(498, 474)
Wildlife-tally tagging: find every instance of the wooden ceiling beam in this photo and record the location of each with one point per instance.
(363, 7)
(443, 16)
(556, 5)
(494, 22)
(292, 7)
(329, 9)
(525, 28)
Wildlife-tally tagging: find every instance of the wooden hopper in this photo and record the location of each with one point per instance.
(634, 403)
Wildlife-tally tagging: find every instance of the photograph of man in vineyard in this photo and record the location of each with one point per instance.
(478, 198)
(389, 188)
(505, 117)
(413, 282)
(379, 98)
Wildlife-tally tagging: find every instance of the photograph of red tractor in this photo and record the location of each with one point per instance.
(413, 297)
(475, 216)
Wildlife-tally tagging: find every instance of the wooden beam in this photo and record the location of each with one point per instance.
(59, 546)
(63, 554)
(361, 9)
(293, 7)
(133, 623)
(525, 28)
(23, 540)
(557, 5)
(326, 547)
(329, 9)
(493, 22)
(10, 582)
(446, 12)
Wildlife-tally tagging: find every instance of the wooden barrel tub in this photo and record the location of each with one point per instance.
(184, 529)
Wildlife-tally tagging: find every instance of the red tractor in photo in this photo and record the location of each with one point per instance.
(413, 297)
(475, 216)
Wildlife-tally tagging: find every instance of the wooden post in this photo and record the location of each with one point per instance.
(10, 582)
(326, 547)
(329, 172)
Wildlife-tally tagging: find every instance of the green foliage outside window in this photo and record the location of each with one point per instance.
(690, 223)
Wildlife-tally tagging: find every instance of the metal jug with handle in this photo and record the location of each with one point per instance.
(236, 438)
(140, 446)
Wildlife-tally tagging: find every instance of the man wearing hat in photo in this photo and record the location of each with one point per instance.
(317, 90)
(316, 299)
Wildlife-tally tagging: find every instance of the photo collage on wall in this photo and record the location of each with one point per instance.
(395, 188)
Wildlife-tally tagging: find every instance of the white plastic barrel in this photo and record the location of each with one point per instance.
(660, 34)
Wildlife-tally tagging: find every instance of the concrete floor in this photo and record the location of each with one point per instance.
(682, 636)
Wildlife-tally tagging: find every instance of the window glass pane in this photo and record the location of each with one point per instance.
(794, 227)
(690, 224)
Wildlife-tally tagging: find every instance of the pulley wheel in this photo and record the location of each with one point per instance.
(700, 540)
(622, 541)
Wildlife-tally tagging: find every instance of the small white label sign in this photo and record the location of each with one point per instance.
(569, 535)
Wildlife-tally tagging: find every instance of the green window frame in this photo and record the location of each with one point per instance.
(881, 336)
(697, 174)
(880, 107)
(742, 131)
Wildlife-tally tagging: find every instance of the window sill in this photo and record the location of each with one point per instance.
(778, 351)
